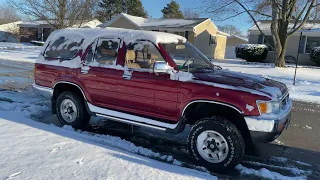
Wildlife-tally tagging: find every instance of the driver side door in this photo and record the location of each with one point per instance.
(141, 91)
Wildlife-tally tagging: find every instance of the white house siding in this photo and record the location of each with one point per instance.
(292, 49)
(202, 43)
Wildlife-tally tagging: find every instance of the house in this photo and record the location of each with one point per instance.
(200, 31)
(232, 42)
(39, 30)
(5, 28)
(310, 38)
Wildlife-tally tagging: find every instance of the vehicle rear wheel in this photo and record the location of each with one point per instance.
(71, 110)
(216, 144)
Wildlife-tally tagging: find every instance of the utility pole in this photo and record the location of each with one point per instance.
(295, 72)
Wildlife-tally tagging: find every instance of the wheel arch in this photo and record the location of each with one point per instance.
(198, 109)
(62, 86)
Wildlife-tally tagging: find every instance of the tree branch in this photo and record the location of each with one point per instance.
(304, 19)
(253, 19)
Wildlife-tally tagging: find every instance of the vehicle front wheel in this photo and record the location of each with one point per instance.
(216, 144)
(71, 110)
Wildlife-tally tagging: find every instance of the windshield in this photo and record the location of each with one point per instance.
(188, 58)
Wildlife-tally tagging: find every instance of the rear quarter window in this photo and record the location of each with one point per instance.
(64, 47)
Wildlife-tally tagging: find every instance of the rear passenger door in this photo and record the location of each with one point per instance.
(99, 73)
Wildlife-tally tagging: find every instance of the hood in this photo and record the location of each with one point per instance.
(244, 82)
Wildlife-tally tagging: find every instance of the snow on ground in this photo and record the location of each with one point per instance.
(34, 150)
(23, 52)
(307, 86)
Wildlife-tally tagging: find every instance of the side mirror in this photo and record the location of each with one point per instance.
(160, 67)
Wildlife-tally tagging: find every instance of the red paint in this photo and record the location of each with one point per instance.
(149, 94)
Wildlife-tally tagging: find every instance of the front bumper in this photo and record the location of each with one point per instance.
(266, 129)
(43, 91)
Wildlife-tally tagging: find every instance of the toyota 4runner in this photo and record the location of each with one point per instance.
(160, 81)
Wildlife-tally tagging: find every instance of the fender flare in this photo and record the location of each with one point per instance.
(66, 82)
(212, 102)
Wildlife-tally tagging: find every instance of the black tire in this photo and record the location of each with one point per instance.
(82, 116)
(229, 132)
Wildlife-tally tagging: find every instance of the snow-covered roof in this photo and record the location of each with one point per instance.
(238, 37)
(145, 23)
(127, 35)
(89, 24)
(265, 26)
(5, 27)
(223, 33)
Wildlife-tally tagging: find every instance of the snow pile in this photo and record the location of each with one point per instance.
(181, 76)
(265, 173)
(129, 36)
(252, 46)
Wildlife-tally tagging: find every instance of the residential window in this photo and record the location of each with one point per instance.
(142, 55)
(212, 41)
(302, 44)
(186, 35)
(180, 33)
(269, 43)
(311, 43)
(106, 51)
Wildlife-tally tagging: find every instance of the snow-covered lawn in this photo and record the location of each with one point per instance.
(24, 52)
(307, 86)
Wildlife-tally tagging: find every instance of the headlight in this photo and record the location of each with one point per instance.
(268, 107)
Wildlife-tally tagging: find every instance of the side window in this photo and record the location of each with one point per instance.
(142, 54)
(90, 53)
(64, 47)
(107, 51)
(89, 56)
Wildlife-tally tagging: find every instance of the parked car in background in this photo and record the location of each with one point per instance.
(160, 81)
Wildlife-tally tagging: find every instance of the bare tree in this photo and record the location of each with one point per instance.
(58, 13)
(8, 14)
(231, 29)
(190, 13)
(286, 17)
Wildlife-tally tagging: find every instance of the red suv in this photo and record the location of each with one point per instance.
(161, 81)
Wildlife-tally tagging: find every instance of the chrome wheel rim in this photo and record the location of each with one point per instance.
(68, 110)
(212, 146)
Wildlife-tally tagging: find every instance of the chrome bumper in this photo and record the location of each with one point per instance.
(272, 123)
(43, 91)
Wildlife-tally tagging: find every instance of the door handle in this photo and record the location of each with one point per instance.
(126, 76)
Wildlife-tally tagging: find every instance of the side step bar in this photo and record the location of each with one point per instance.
(132, 119)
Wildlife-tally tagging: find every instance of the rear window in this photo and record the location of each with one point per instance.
(64, 47)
